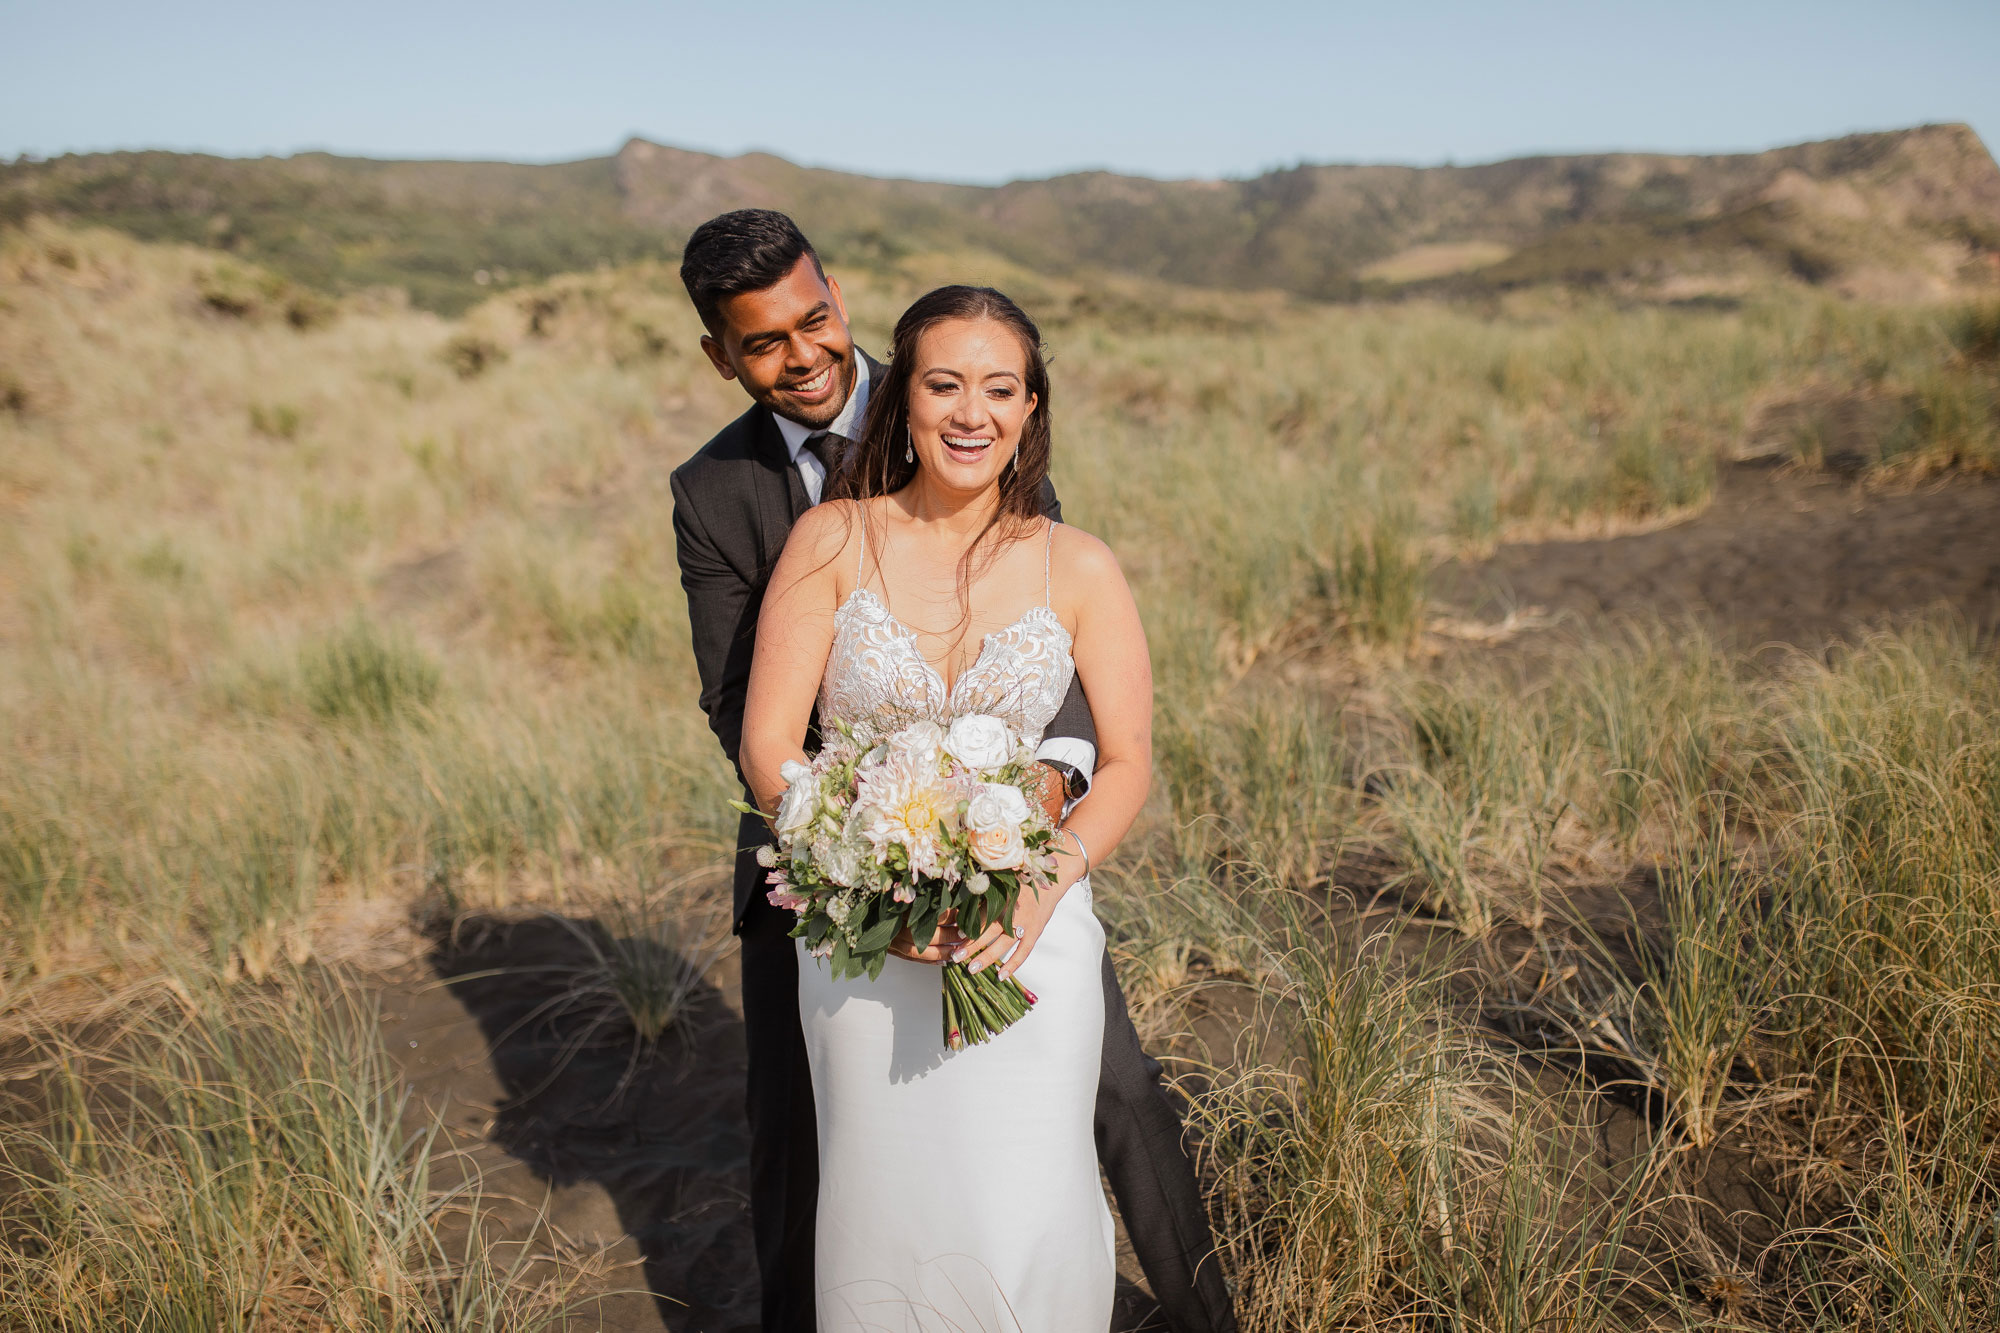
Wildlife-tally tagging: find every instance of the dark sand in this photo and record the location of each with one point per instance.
(1777, 557)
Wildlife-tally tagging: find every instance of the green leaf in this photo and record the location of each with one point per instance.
(877, 936)
(924, 923)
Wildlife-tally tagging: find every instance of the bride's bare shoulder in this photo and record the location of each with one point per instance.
(824, 530)
(1082, 561)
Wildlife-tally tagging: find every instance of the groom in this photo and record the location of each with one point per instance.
(776, 325)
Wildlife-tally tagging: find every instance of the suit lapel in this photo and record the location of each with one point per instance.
(780, 493)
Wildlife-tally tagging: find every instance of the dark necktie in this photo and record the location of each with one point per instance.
(827, 448)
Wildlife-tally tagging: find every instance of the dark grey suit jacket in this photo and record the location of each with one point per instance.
(735, 502)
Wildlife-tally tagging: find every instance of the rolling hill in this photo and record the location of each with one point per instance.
(1907, 213)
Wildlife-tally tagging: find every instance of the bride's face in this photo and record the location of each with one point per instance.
(968, 402)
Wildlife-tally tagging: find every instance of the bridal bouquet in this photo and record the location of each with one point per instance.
(928, 825)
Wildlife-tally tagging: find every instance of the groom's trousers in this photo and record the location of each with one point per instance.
(784, 1135)
(1138, 1131)
(1140, 1147)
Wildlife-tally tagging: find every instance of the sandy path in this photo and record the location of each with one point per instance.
(1777, 557)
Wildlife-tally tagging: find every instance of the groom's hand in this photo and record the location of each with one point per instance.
(942, 943)
(1052, 792)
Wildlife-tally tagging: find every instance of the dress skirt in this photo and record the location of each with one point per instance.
(959, 1190)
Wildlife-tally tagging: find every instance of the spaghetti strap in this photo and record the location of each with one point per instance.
(1048, 582)
(861, 556)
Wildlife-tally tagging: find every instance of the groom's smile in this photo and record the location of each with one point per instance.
(812, 389)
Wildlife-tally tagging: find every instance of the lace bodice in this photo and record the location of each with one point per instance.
(877, 675)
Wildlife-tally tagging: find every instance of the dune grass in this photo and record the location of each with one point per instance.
(373, 604)
(242, 1161)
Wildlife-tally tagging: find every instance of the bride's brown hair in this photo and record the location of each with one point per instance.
(878, 463)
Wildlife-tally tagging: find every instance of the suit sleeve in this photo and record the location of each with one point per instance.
(722, 615)
(1051, 506)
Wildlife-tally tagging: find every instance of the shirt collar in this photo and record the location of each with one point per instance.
(847, 424)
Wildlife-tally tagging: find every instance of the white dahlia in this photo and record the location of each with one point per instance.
(905, 800)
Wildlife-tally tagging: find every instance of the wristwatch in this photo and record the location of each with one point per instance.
(1073, 782)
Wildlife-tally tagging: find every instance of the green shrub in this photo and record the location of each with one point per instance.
(361, 673)
(277, 421)
(471, 356)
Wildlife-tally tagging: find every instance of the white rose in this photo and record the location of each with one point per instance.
(798, 809)
(996, 805)
(767, 856)
(792, 770)
(843, 865)
(979, 742)
(918, 741)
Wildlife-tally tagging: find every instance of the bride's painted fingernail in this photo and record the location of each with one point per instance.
(1031, 995)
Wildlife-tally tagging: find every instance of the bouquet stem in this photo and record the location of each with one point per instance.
(978, 1006)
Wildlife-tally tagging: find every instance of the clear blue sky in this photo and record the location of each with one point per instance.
(989, 92)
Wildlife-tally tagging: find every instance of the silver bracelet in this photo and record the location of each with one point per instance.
(1081, 850)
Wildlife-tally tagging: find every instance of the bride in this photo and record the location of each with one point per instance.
(958, 1189)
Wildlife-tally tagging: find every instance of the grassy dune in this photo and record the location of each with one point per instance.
(309, 605)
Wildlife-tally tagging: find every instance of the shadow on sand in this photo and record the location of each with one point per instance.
(658, 1126)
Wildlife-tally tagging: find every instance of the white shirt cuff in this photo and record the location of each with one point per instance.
(1078, 754)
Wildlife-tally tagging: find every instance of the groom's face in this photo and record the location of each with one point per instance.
(788, 345)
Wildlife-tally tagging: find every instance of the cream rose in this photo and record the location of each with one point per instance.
(979, 742)
(993, 824)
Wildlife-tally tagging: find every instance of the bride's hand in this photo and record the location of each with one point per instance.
(996, 947)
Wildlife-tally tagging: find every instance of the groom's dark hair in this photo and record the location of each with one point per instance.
(744, 251)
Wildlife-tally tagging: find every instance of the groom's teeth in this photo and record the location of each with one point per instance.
(815, 384)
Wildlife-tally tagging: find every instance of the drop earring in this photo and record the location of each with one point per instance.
(909, 446)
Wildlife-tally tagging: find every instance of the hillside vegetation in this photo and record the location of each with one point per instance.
(1620, 980)
(1899, 214)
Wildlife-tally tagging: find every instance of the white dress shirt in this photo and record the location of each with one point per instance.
(1079, 754)
(846, 425)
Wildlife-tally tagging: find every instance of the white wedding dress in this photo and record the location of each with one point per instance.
(958, 1190)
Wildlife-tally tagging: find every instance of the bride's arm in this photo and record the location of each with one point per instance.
(1117, 674)
(794, 636)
